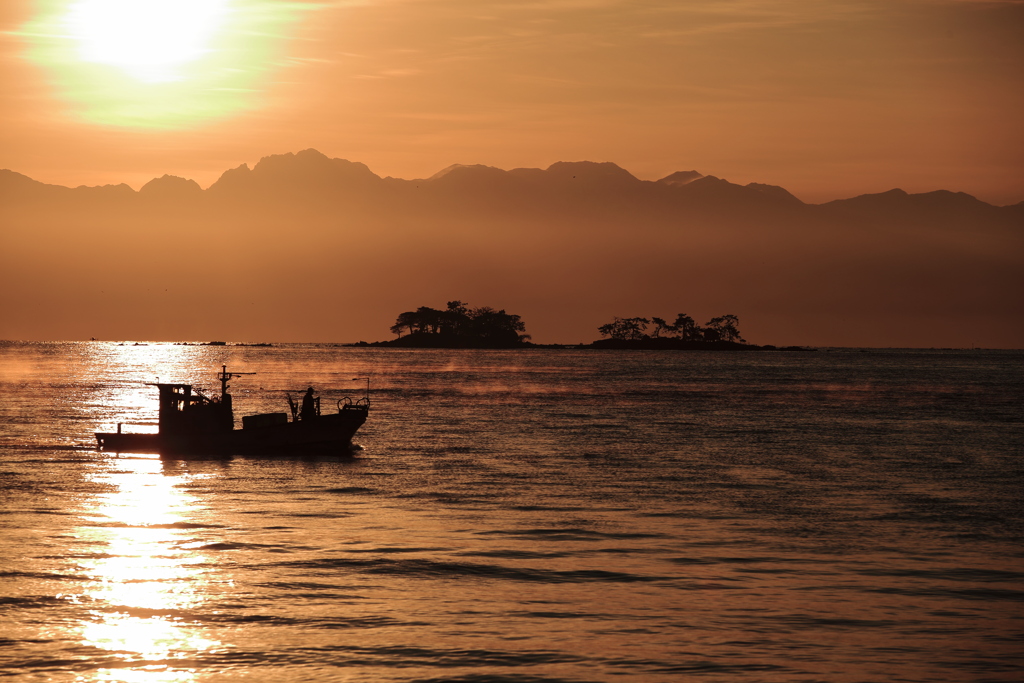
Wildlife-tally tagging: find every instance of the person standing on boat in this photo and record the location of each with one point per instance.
(308, 411)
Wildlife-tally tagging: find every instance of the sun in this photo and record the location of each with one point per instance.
(148, 39)
(161, 64)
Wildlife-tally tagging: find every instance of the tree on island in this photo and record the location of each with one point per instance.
(459, 326)
(724, 328)
(625, 328)
(686, 328)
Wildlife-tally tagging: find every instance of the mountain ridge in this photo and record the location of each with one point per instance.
(309, 171)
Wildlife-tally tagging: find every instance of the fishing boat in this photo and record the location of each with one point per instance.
(194, 424)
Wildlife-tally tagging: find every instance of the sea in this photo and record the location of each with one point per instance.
(530, 516)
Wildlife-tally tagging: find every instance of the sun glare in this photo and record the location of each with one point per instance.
(160, 63)
(147, 39)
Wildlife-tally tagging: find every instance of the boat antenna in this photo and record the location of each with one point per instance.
(224, 376)
(360, 379)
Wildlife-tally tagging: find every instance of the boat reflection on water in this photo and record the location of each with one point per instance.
(144, 576)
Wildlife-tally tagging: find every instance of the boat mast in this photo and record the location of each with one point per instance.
(224, 376)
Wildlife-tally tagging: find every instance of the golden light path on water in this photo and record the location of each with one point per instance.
(146, 575)
(160, 63)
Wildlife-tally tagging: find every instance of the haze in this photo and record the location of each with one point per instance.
(828, 100)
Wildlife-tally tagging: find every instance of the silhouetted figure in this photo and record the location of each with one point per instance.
(308, 411)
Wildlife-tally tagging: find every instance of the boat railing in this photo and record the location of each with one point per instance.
(348, 403)
(151, 423)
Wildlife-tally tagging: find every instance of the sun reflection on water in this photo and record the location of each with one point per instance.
(132, 401)
(149, 578)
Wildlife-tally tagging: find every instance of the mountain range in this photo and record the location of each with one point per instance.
(306, 247)
(314, 176)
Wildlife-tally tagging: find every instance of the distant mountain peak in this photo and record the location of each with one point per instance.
(590, 171)
(294, 172)
(306, 160)
(170, 185)
(310, 153)
(937, 203)
(681, 178)
(109, 190)
(774, 191)
(464, 168)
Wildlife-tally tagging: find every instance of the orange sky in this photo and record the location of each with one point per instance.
(828, 99)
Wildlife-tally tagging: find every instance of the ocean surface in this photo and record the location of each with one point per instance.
(534, 516)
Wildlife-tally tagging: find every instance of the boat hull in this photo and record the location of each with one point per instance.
(128, 443)
(325, 434)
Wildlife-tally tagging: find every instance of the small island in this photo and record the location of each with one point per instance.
(461, 327)
(458, 327)
(721, 332)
